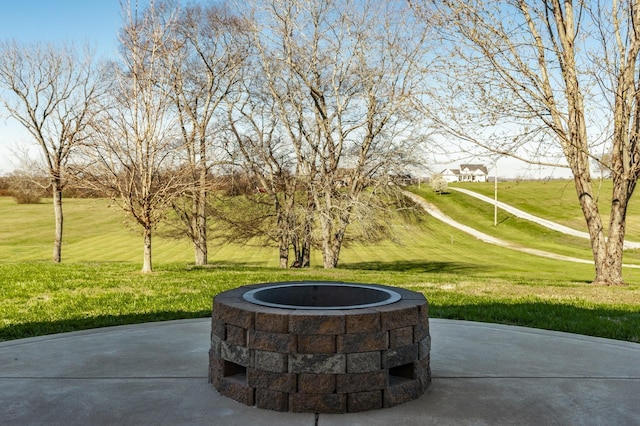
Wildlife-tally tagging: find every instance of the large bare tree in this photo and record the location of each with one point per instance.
(203, 66)
(267, 155)
(530, 78)
(51, 91)
(344, 75)
(134, 151)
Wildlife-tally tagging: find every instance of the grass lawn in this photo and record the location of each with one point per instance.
(556, 200)
(98, 283)
(480, 215)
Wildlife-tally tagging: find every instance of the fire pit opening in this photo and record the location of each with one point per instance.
(320, 347)
(321, 295)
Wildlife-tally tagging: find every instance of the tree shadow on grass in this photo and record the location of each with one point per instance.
(42, 328)
(600, 321)
(419, 266)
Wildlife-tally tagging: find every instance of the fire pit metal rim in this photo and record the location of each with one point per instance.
(252, 296)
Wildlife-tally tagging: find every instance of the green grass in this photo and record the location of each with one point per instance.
(556, 200)
(480, 215)
(99, 285)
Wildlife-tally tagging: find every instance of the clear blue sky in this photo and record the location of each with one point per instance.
(83, 22)
(95, 22)
(80, 21)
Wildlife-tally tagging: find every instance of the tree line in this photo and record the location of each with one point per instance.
(320, 102)
(310, 100)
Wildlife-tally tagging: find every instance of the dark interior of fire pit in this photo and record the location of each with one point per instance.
(321, 295)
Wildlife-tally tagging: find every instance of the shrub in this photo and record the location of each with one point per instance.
(438, 184)
(26, 189)
(4, 186)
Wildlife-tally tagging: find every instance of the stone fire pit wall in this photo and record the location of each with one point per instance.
(320, 360)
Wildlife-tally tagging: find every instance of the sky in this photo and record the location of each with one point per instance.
(96, 23)
(82, 22)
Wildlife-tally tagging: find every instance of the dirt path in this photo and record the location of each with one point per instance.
(436, 213)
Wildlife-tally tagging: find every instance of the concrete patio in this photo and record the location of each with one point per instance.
(156, 373)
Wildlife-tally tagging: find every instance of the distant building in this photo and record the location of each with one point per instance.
(466, 173)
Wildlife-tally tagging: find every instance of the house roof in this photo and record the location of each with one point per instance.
(453, 171)
(474, 167)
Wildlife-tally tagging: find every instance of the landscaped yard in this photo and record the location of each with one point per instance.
(98, 283)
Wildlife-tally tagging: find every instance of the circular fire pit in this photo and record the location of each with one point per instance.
(321, 295)
(321, 347)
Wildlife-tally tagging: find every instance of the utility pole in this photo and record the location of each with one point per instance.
(495, 195)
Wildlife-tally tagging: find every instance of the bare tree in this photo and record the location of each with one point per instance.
(133, 155)
(529, 78)
(51, 90)
(344, 76)
(203, 65)
(255, 132)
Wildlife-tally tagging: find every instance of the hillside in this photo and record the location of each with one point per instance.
(95, 232)
(556, 200)
(99, 283)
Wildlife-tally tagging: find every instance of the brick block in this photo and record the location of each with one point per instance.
(332, 403)
(363, 342)
(316, 343)
(234, 389)
(215, 312)
(362, 362)
(400, 337)
(235, 313)
(421, 330)
(270, 341)
(316, 383)
(236, 335)
(274, 322)
(272, 400)
(424, 347)
(361, 401)
(317, 323)
(362, 323)
(317, 363)
(281, 382)
(406, 391)
(218, 329)
(423, 373)
(234, 353)
(271, 361)
(397, 318)
(399, 356)
(361, 382)
(424, 310)
(215, 371)
(216, 345)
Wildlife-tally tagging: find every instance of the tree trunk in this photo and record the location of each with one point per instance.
(284, 253)
(147, 264)
(331, 245)
(302, 244)
(612, 266)
(57, 210)
(331, 253)
(305, 255)
(592, 217)
(200, 243)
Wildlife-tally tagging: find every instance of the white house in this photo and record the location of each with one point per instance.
(466, 173)
(450, 175)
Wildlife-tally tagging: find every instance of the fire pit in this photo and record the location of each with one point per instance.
(321, 347)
